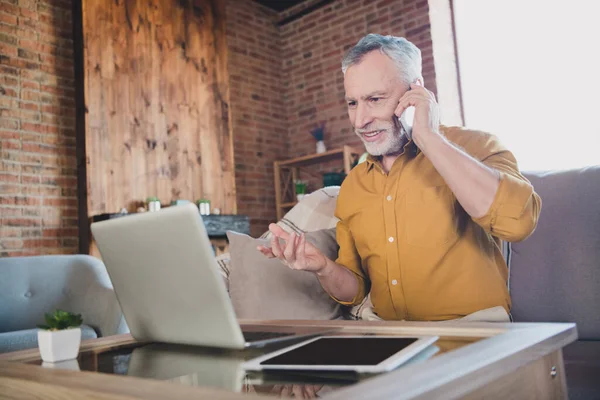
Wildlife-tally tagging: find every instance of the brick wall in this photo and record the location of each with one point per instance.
(258, 116)
(38, 182)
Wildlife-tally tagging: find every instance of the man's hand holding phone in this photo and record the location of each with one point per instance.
(426, 113)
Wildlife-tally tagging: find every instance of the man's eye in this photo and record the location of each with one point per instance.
(351, 103)
(375, 99)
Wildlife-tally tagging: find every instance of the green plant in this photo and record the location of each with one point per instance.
(61, 320)
(318, 132)
(300, 187)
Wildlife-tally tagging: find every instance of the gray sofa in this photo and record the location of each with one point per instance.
(31, 286)
(555, 273)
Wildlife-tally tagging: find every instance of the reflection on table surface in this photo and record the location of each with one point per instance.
(222, 369)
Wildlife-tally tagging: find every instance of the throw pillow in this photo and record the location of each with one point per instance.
(262, 288)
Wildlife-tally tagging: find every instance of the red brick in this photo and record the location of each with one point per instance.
(6, 80)
(39, 128)
(11, 244)
(25, 84)
(29, 106)
(7, 18)
(27, 179)
(9, 124)
(28, 13)
(7, 91)
(24, 222)
(9, 178)
(10, 145)
(30, 95)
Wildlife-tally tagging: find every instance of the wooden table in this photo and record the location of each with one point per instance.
(477, 360)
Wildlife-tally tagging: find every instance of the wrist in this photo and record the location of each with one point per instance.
(429, 140)
(326, 269)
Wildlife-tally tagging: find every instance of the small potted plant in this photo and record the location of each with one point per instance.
(319, 134)
(60, 338)
(300, 189)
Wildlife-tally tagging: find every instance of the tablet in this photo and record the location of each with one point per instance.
(363, 354)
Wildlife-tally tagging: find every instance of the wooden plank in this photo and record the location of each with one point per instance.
(157, 94)
(314, 158)
(542, 379)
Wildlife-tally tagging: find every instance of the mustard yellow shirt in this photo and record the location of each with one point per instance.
(410, 243)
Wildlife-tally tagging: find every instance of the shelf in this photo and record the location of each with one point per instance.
(317, 158)
(287, 171)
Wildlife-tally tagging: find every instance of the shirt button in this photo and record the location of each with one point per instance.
(394, 282)
(391, 239)
(389, 198)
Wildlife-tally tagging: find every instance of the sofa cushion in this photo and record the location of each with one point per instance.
(555, 273)
(582, 366)
(314, 212)
(27, 338)
(262, 288)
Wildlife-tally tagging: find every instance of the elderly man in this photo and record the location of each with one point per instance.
(421, 221)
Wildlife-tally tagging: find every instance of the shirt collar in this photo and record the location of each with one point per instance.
(410, 148)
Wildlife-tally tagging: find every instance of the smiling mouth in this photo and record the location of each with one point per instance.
(373, 135)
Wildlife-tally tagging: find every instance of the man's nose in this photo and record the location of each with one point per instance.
(362, 117)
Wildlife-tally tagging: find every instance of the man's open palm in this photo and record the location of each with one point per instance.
(295, 252)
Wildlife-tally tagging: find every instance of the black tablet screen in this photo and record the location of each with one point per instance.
(343, 351)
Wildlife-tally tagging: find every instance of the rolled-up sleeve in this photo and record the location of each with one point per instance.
(515, 210)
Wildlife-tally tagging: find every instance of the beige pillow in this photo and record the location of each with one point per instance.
(262, 288)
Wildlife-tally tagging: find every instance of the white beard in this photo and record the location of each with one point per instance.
(394, 140)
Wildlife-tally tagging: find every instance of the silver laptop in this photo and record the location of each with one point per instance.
(168, 284)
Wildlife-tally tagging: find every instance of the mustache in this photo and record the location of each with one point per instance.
(373, 129)
(389, 126)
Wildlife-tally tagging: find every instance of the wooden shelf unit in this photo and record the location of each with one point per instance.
(287, 172)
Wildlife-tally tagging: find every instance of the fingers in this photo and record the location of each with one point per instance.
(278, 231)
(297, 391)
(289, 253)
(414, 100)
(417, 87)
(310, 392)
(301, 249)
(266, 251)
(276, 247)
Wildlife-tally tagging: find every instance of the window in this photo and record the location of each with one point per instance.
(530, 74)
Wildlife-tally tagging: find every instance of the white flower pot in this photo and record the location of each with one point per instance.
(58, 346)
(321, 147)
(72, 365)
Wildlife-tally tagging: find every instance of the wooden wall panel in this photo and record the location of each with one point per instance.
(156, 92)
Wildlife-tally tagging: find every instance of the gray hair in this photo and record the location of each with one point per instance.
(406, 55)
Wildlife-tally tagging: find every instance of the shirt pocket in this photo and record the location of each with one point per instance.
(429, 217)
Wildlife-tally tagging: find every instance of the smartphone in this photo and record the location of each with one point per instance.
(406, 120)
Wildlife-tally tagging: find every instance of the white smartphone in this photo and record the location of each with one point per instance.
(406, 120)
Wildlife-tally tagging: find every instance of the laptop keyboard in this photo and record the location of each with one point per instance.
(258, 336)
